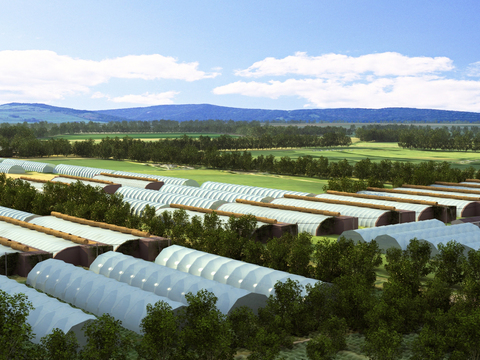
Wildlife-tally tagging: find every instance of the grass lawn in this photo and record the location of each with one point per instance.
(142, 136)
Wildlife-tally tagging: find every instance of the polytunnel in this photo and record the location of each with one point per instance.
(239, 274)
(8, 259)
(13, 161)
(137, 206)
(369, 234)
(454, 232)
(11, 168)
(136, 183)
(165, 179)
(458, 187)
(171, 283)
(16, 214)
(108, 187)
(48, 313)
(32, 165)
(464, 208)
(310, 223)
(366, 217)
(104, 236)
(251, 190)
(165, 198)
(211, 194)
(82, 171)
(95, 293)
(422, 212)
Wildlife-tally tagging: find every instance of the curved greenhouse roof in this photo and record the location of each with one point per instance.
(251, 190)
(165, 198)
(137, 206)
(369, 234)
(11, 168)
(97, 234)
(95, 293)
(366, 217)
(7, 250)
(16, 214)
(31, 165)
(306, 222)
(421, 211)
(460, 204)
(141, 184)
(165, 179)
(171, 283)
(239, 274)
(48, 313)
(82, 171)
(211, 194)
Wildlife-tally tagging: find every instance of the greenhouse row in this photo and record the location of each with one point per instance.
(250, 190)
(30, 165)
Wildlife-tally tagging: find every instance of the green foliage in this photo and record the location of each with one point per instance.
(60, 346)
(160, 333)
(345, 184)
(245, 325)
(336, 329)
(382, 343)
(448, 263)
(14, 329)
(471, 283)
(105, 340)
(321, 347)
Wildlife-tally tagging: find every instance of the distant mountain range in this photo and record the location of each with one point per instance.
(18, 112)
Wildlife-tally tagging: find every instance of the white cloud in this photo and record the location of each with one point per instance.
(474, 69)
(369, 81)
(164, 98)
(42, 75)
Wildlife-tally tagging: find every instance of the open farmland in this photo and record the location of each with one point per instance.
(140, 136)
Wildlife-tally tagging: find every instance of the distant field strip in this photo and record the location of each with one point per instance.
(141, 136)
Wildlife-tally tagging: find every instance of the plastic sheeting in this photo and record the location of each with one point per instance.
(16, 214)
(170, 283)
(137, 206)
(239, 274)
(165, 198)
(252, 190)
(82, 171)
(6, 250)
(141, 184)
(48, 313)
(32, 165)
(165, 179)
(73, 181)
(369, 234)
(11, 168)
(366, 217)
(95, 293)
(306, 222)
(211, 194)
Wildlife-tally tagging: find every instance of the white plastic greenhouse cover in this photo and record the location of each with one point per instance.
(73, 181)
(82, 171)
(239, 274)
(460, 204)
(32, 165)
(13, 161)
(165, 179)
(369, 234)
(418, 208)
(165, 198)
(252, 190)
(211, 194)
(137, 206)
(453, 187)
(95, 293)
(16, 214)
(7, 250)
(11, 168)
(105, 236)
(454, 232)
(171, 283)
(224, 219)
(141, 184)
(48, 313)
(366, 217)
(306, 222)
(35, 239)
(37, 185)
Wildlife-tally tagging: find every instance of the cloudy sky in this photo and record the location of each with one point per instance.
(271, 54)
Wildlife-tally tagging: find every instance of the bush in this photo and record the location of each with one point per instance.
(60, 346)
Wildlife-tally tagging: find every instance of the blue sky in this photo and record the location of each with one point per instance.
(272, 54)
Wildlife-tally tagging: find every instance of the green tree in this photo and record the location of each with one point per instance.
(60, 346)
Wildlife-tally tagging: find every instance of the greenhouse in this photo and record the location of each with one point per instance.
(16, 214)
(366, 217)
(97, 234)
(211, 194)
(48, 313)
(310, 223)
(31, 165)
(454, 232)
(239, 274)
(251, 190)
(13, 161)
(171, 283)
(464, 208)
(369, 234)
(95, 293)
(137, 206)
(165, 198)
(11, 168)
(136, 183)
(164, 179)
(81, 171)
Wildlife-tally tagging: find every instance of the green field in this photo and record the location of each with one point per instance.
(380, 151)
(143, 136)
